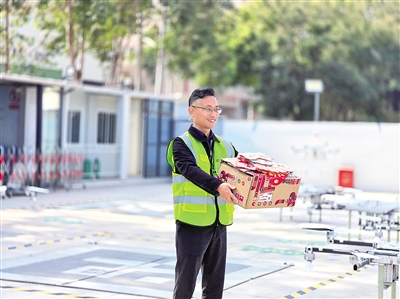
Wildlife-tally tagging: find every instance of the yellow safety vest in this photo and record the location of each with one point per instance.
(192, 204)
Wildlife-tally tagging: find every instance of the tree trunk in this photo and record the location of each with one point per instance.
(116, 51)
(138, 75)
(119, 61)
(70, 36)
(159, 80)
(7, 29)
(114, 63)
(79, 73)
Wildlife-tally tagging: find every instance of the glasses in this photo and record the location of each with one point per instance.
(209, 109)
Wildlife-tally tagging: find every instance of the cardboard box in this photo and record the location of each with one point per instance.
(254, 190)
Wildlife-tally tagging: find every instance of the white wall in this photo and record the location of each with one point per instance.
(97, 104)
(90, 105)
(316, 150)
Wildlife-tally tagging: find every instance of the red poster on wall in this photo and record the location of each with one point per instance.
(14, 99)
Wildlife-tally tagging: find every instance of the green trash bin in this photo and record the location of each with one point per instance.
(87, 169)
(96, 168)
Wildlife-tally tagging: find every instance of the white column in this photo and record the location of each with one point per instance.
(30, 118)
(64, 105)
(125, 108)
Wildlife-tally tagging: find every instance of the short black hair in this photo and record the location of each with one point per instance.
(200, 93)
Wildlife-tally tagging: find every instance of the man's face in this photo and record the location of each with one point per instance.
(202, 119)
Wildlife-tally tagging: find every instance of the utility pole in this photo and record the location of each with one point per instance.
(316, 87)
(159, 80)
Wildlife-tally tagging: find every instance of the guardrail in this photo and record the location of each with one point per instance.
(20, 167)
(58, 168)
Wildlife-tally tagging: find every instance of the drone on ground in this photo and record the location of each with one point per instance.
(385, 254)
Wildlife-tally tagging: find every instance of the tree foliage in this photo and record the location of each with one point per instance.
(352, 46)
(118, 21)
(66, 26)
(269, 46)
(100, 27)
(14, 45)
(191, 38)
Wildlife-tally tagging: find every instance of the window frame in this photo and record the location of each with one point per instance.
(73, 128)
(106, 132)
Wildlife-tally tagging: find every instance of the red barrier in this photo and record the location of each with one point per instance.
(58, 168)
(1, 169)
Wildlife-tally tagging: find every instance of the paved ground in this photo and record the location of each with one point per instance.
(117, 241)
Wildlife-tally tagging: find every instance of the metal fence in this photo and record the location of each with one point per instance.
(57, 168)
(20, 167)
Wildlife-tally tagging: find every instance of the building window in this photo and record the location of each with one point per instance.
(106, 127)
(74, 121)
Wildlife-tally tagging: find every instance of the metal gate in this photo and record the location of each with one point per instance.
(158, 132)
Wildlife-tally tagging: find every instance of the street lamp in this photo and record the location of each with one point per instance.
(127, 82)
(69, 73)
(315, 86)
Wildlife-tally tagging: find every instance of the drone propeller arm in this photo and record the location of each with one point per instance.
(309, 252)
(363, 262)
(354, 243)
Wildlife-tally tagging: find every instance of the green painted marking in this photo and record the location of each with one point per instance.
(273, 250)
(64, 220)
(338, 235)
(288, 241)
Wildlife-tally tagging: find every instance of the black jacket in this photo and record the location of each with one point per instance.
(185, 162)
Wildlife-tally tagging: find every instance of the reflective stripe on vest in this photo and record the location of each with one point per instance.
(192, 204)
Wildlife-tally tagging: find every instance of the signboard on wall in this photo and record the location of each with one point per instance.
(14, 99)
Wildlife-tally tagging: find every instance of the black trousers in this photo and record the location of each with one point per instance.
(200, 247)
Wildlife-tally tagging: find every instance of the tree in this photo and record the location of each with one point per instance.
(269, 46)
(109, 39)
(101, 27)
(66, 26)
(12, 39)
(351, 46)
(191, 38)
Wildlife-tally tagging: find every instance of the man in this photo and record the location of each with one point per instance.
(203, 204)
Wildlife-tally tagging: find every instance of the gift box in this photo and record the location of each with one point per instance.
(260, 184)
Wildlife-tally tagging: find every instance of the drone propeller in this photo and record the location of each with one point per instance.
(317, 227)
(388, 246)
(322, 229)
(388, 227)
(327, 227)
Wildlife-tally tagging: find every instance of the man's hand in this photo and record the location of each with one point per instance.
(225, 191)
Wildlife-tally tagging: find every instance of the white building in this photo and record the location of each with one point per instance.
(108, 132)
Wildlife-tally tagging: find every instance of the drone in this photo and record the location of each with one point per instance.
(317, 151)
(385, 254)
